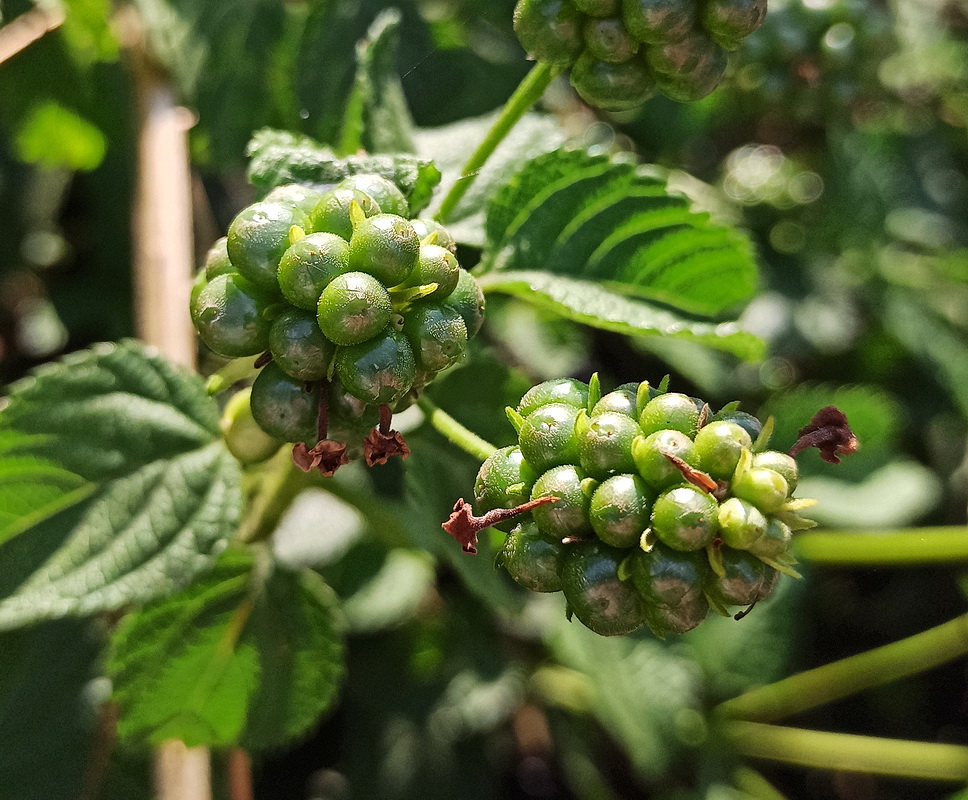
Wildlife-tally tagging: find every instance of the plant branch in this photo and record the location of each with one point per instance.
(848, 676)
(528, 93)
(239, 769)
(755, 785)
(281, 484)
(849, 752)
(27, 29)
(890, 547)
(457, 434)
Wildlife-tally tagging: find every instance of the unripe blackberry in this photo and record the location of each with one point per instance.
(332, 212)
(560, 390)
(285, 407)
(547, 436)
(764, 488)
(651, 455)
(504, 481)
(718, 447)
(596, 594)
(233, 316)
(569, 515)
(620, 510)
(781, 463)
(549, 30)
(533, 561)
(385, 193)
(670, 411)
(746, 580)
(685, 518)
(257, 239)
(605, 443)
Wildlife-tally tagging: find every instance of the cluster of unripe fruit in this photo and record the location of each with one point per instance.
(663, 511)
(351, 306)
(622, 51)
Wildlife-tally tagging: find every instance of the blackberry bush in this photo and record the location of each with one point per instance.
(352, 308)
(651, 510)
(622, 51)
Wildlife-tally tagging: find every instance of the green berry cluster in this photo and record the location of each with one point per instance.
(352, 305)
(621, 51)
(664, 509)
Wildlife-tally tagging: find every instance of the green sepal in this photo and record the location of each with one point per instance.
(784, 565)
(642, 397)
(296, 233)
(625, 568)
(794, 521)
(516, 420)
(402, 298)
(726, 409)
(588, 487)
(594, 391)
(663, 386)
(716, 606)
(743, 465)
(357, 216)
(763, 440)
(715, 556)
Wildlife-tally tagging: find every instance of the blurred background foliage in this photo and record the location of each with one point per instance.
(838, 142)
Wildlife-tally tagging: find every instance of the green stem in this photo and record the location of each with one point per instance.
(892, 547)
(281, 485)
(457, 434)
(845, 751)
(755, 785)
(528, 93)
(848, 676)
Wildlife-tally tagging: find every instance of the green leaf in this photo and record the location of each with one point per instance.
(932, 339)
(128, 490)
(48, 711)
(237, 657)
(54, 136)
(384, 124)
(590, 304)
(584, 216)
(87, 30)
(451, 145)
(279, 157)
(644, 694)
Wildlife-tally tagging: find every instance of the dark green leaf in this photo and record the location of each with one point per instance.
(386, 126)
(574, 214)
(48, 712)
(451, 145)
(238, 657)
(590, 304)
(139, 440)
(279, 157)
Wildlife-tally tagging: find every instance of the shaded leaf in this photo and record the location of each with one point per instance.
(451, 145)
(590, 304)
(279, 157)
(574, 214)
(130, 490)
(48, 712)
(385, 124)
(236, 657)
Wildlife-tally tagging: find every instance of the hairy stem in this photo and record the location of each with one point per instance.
(848, 676)
(528, 93)
(891, 547)
(457, 434)
(849, 752)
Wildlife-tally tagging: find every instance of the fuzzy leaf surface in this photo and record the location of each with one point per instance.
(234, 658)
(594, 305)
(125, 489)
(593, 217)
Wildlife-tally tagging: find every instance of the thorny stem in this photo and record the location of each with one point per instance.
(848, 676)
(884, 547)
(849, 752)
(528, 93)
(457, 434)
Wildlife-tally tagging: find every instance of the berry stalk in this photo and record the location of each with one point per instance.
(457, 434)
(848, 676)
(936, 545)
(528, 93)
(849, 752)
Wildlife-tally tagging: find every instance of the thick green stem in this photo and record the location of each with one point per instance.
(911, 546)
(528, 93)
(844, 751)
(755, 785)
(457, 434)
(850, 675)
(282, 484)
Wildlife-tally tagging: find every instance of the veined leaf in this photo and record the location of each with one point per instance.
(118, 488)
(383, 124)
(583, 216)
(280, 157)
(238, 657)
(591, 304)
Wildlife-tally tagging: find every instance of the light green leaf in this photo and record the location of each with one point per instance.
(87, 30)
(279, 157)
(54, 136)
(129, 491)
(590, 304)
(238, 657)
(575, 214)
(384, 123)
(896, 495)
(451, 145)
